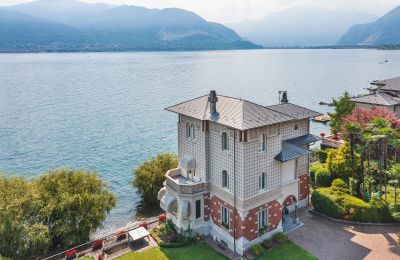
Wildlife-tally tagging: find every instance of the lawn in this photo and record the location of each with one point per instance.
(287, 251)
(202, 251)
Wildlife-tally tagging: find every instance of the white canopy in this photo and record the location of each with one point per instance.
(138, 233)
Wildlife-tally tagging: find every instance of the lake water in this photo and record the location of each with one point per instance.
(105, 111)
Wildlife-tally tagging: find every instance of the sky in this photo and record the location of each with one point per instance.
(227, 11)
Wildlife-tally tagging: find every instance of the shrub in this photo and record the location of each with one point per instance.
(323, 201)
(323, 177)
(279, 238)
(339, 185)
(314, 168)
(358, 210)
(383, 209)
(256, 250)
(268, 243)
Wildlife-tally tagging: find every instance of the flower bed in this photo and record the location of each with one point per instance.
(166, 235)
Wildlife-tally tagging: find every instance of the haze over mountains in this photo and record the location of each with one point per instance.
(303, 26)
(384, 31)
(69, 25)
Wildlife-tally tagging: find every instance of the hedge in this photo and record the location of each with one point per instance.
(314, 168)
(337, 204)
(339, 185)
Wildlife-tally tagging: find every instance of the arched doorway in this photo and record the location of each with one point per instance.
(289, 213)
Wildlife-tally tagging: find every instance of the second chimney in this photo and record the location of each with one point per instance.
(213, 101)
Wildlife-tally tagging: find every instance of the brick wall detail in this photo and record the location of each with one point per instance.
(247, 228)
(304, 186)
(289, 200)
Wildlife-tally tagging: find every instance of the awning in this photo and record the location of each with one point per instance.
(305, 139)
(168, 202)
(185, 209)
(290, 151)
(188, 163)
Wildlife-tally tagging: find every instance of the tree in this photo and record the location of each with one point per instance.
(339, 162)
(74, 204)
(59, 208)
(20, 235)
(343, 107)
(150, 176)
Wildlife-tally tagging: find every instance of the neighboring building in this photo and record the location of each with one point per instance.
(382, 94)
(240, 165)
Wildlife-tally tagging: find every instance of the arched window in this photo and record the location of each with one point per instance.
(262, 181)
(225, 141)
(193, 134)
(263, 143)
(225, 180)
(187, 130)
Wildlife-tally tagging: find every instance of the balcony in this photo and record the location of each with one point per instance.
(331, 142)
(182, 185)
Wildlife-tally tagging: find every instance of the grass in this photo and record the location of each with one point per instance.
(86, 258)
(286, 251)
(200, 251)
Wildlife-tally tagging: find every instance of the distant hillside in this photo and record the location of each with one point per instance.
(79, 26)
(303, 26)
(384, 31)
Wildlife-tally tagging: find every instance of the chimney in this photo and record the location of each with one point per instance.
(213, 101)
(284, 99)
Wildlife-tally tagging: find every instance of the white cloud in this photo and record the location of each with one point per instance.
(235, 10)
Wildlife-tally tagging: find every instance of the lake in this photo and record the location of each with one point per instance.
(105, 111)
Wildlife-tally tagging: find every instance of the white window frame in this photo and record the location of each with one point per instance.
(187, 128)
(225, 183)
(262, 181)
(262, 219)
(224, 141)
(225, 216)
(263, 143)
(193, 131)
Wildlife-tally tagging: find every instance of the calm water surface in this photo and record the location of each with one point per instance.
(105, 111)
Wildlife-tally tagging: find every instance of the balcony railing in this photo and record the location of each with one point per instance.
(181, 184)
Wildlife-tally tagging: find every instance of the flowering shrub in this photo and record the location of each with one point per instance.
(121, 235)
(71, 254)
(97, 244)
(322, 135)
(363, 117)
(162, 218)
(144, 224)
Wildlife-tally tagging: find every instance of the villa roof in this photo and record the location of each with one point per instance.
(381, 99)
(392, 84)
(304, 139)
(291, 151)
(237, 113)
(295, 111)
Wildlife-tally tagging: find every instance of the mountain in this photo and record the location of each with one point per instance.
(384, 31)
(98, 27)
(21, 33)
(300, 26)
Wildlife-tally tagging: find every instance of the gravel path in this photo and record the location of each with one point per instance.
(330, 240)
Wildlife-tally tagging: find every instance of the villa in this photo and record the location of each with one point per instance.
(242, 168)
(382, 94)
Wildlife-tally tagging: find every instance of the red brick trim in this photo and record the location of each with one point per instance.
(304, 189)
(289, 200)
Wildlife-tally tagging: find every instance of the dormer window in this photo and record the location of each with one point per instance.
(263, 143)
(192, 129)
(187, 130)
(262, 181)
(225, 141)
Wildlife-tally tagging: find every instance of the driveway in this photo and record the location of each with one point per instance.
(330, 240)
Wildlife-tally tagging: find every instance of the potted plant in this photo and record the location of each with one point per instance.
(121, 235)
(162, 218)
(71, 254)
(96, 245)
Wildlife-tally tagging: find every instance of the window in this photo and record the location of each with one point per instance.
(225, 142)
(187, 130)
(262, 181)
(225, 217)
(225, 181)
(262, 219)
(198, 209)
(263, 143)
(296, 127)
(192, 131)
